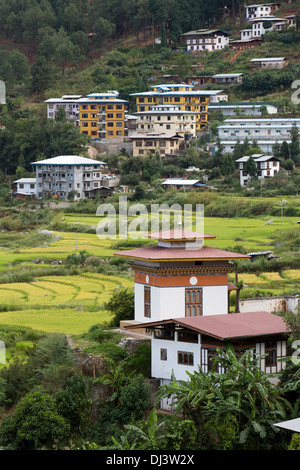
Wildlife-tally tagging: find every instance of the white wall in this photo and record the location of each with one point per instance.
(163, 369)
(169, 302)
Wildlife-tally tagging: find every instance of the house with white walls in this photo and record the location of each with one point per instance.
(261, 10)
(181, 299)
(24, 188)
(267, 167)
(209, 40)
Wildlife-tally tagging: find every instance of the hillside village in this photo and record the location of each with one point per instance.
(149, 330)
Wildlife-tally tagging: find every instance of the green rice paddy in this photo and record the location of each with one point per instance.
(71, 304)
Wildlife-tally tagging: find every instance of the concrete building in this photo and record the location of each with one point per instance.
(181, 95)
(69, 103)
(164, 143)
(267, 167)
(206, 40)
(59, 176)
(24, 188)
(102, 115)
(168, 119)
(261, 10)
(243, 109)
(181, 298)
(264, 131)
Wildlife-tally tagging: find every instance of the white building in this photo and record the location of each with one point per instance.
(167, 118)
(25, 187)
(264, 131)
(243, 109)
(181, 296)
(267, 167)
(206, 40)
(69, 103)
(61, 175)
(261, 10)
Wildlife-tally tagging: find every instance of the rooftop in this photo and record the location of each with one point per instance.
(230, 326)
(160, 253)
(68, 160)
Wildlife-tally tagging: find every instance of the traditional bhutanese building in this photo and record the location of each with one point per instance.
(179, 277)
(181, 95)
(181, 298)
(102, 115)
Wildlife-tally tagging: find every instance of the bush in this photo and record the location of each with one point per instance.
(121, 305)
(36, 424)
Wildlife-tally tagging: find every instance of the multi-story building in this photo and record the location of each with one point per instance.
(164, 144)
(264, 131)
(267, 167)
(168, 119)
(69, 103)
(182, 298)
(181, 95)
(206, 40)
(243, 109)
(102, 115)
(59, 176)
(261, 10)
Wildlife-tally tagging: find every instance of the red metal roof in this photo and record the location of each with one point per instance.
(230, 326)
(158, 253)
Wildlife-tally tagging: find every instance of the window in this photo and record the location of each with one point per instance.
(193, 302)
(271, 351)
(163, 354)
(147, 301)
(186, 358)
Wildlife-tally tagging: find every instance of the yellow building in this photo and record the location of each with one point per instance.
(102, 115)
(181, 95)
(164, 144)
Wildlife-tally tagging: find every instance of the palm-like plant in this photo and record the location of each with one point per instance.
(116, 379)
(243, 391)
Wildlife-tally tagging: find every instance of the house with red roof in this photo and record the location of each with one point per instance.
(181, 299)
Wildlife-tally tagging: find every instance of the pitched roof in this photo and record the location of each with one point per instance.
(159, 253)
(229, 326)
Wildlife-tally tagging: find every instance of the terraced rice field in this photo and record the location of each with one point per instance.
(68, 304)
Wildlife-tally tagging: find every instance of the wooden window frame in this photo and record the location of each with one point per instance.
(185, 358)
(195, 304)
(147, 301)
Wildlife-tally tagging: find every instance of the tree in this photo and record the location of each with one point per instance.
(103, 30)
(121, 305)
(35, 424)
(250, 167)
(227, 165)
(294, 145)
(74, 404)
